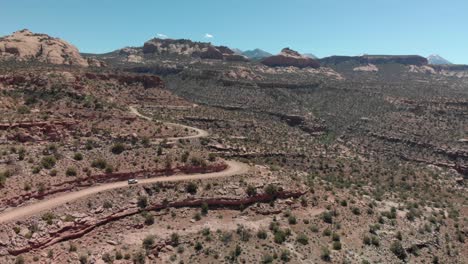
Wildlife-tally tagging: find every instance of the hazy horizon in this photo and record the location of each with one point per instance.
(323, 28)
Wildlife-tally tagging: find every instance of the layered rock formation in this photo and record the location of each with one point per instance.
(190, 48)
(25, 45)
(376, 59)
(288, 58)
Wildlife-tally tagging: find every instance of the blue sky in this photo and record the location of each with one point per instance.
(321, 27)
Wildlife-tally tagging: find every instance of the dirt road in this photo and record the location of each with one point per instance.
(199, 132)
(234, 168)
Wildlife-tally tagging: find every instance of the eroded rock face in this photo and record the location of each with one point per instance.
(148, 81)
(189, 48)
(288, 58)
(25, 45)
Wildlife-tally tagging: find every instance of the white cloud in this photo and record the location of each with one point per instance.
(161, 35)
(207, 35)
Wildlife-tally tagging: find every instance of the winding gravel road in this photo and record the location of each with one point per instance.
(234, 168)
(199, 132)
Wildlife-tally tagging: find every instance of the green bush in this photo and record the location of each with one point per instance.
(271, 190)
(398, 250)
(99, 163)
(292, 220)
(48, 162)
(302, 239)
(327, 217)
(71, 172)
(336, 245)
(325, 255)
(262, 234)
(78, 156)
(148, 242)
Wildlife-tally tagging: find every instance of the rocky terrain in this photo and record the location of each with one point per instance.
(284, 160)
(25, 45)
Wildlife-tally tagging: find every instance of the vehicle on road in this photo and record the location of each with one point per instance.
(132, 181)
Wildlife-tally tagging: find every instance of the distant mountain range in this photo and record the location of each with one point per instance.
(437, 60)
(256, 54)
(310, 55)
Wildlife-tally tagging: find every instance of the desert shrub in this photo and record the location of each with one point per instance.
(204, 208)
(83, 259)
(3, 179)
(356, 210)
(191, 188)
(142, 201)
(36, 170)
(226, 237)
(314, 228)
(107, 204)
(72, 248)
(197, 216)
(327, 232)
(145, 141)
(78, 156)
(211, 157)
(149, 218)
(279, 236)
(398, 250)
(23, 110)
(19, 260)
(175, 239)
(117, 148)
(292, 220)
(71, 172)
(302, 239)
(99, 163)
(336, 245)
(198, 246)
(48, 162)
(366, 240)
(148, 242)
(251, 191)
(271, 190)
(139, 258)
(266, 259)
(262, 234)
(327, 217)
(243, 233)
(336, 237)
(325, 255)
(285, 255)
(185, 156)
(48, 217)
(109, 169)
(118, 255)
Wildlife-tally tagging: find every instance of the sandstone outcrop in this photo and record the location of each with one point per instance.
(25, 45)
(188, 48)
(288, 58)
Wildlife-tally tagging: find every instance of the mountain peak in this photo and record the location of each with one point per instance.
(436, 59)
